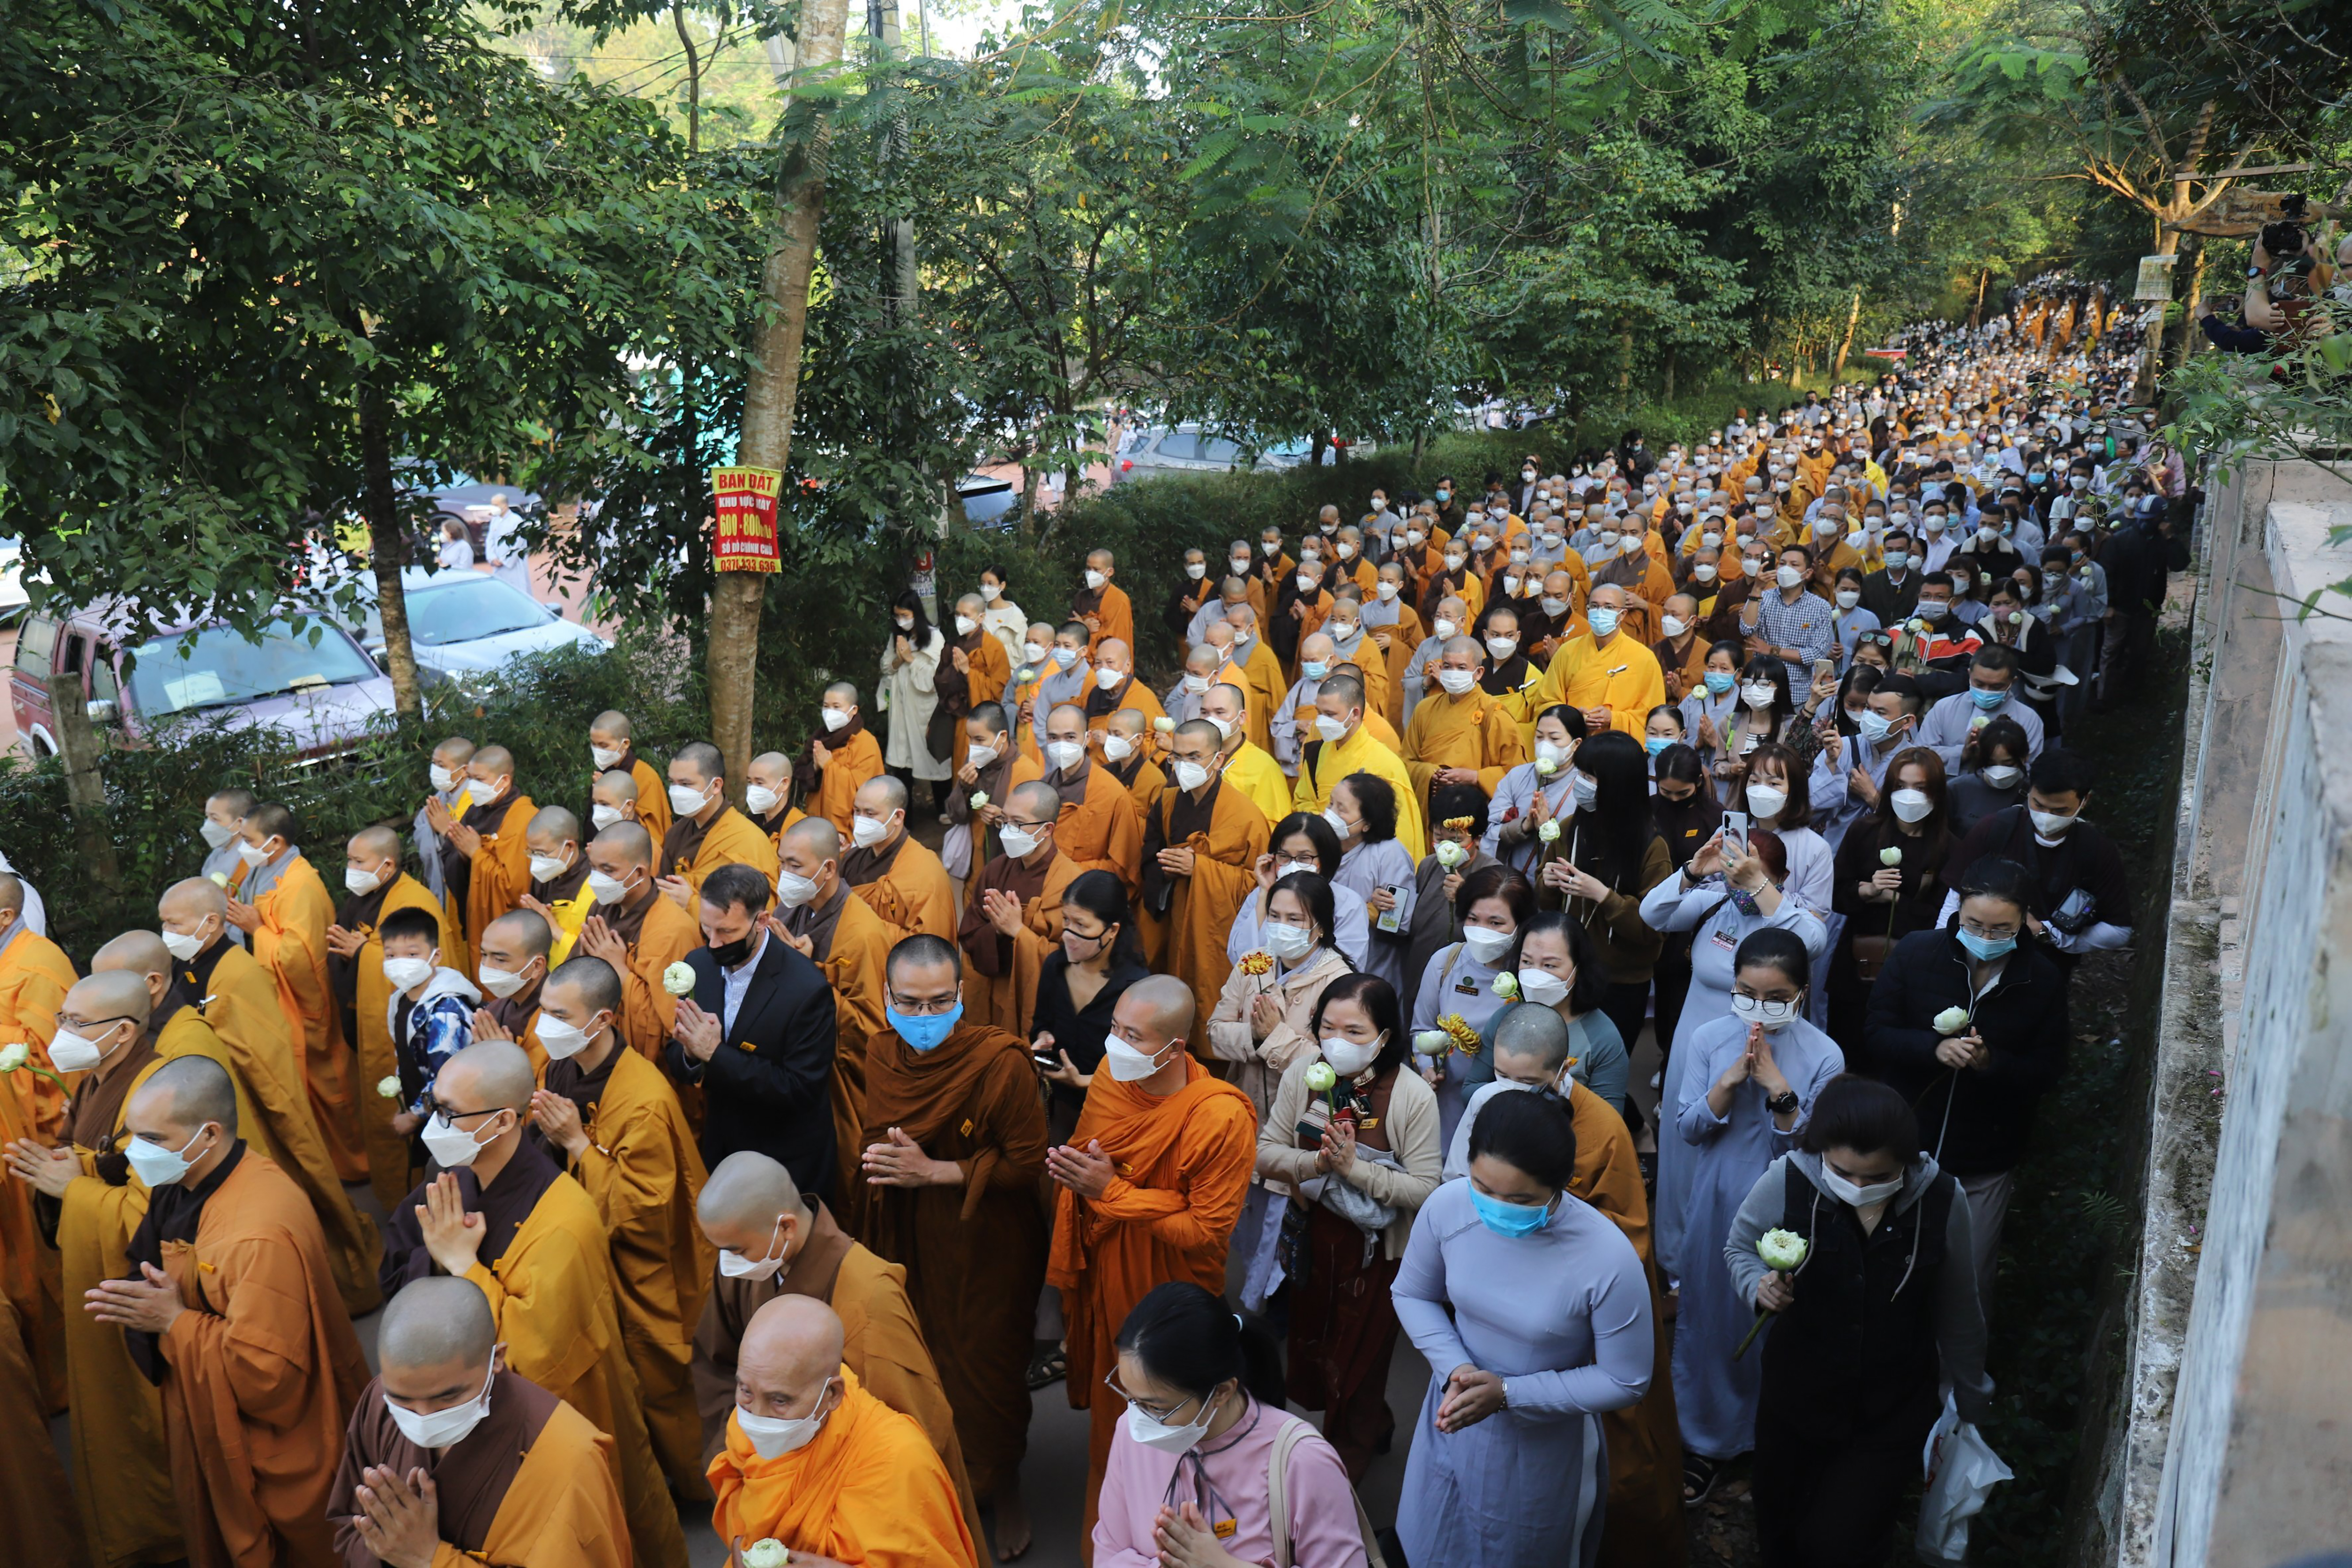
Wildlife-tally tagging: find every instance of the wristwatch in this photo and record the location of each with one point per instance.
(1782, 1104)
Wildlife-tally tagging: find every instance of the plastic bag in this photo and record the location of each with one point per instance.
(1962, 1470)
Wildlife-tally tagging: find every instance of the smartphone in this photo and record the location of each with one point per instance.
(1824, 669)
(1735, 835)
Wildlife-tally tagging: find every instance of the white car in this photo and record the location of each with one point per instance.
(460, 623)
(12, 597)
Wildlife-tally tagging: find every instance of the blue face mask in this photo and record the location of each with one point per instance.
(1719, 681)
(1984, 947)
(1658, 743)
(1508, 1219)
(1987, 701)
(1314, 668)
(1873, 725)
(1603, 622)
(924, 1034)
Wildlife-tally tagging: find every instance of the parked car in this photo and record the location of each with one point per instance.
(12, 597)
(990, 503)
(463, 622)
(316, 683)
(1185, 448)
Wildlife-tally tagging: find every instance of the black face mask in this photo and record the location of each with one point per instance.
(728, 954)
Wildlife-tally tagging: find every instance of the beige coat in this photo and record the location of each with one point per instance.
(1412, 1139)
(1263, 1062)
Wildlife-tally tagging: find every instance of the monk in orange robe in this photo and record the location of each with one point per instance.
(29, 1274)
(535, 1243)
(900, 880)
(1013, 918)
(1469, 737)
(784, 1245)
(228, 990)
(839, 760)
(612, 1118)
(1102, 606)
(1115, 689)
(974, 668)
(41, 1534)
(713, 833)
(34, 976)
(528, 1482)
(1396, 629)
(1123, 749)
(355, 968)
(952, 1153)
(823, 922)
(231, 1307)
(637, 932)
(286, 914)
(866, 1491)
(1151, 1183)
(768, 794)
(1200, 853)
(612, 746)
(445, 871)
(1248, 767)
(486, 859)
(1099, 828)
(1262, 678)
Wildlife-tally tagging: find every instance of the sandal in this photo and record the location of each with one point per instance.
(1700, 1476)
(1047, 1366)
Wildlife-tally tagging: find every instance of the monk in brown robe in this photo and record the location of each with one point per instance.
(774, 1242)
(231, 1309)
(1100, 829)
(1466, 737)
(613, 1119)
(952, 1150)
(713, 833)
(899, 878)
(637, 932)
(973, 670)
(1115, 689)
(612, 746)
(768, 794)
(226, 988)
(88, 1203)
(1124, 751)
(285, 911)
(34, 976)
(1395, 626)
(1262, 678)
(818, 918)
(41, 1534)
(987, 770)
(495, 1209)
(839, 759)
(485, 858)
(614, 797)
(1200, 850)
(1014, 918)
(450, 1457)
(864, 1489)
(376, 887)
(512, 965)
(1151, 1183)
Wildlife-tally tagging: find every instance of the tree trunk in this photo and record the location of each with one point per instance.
(2185, 333)
(79, 747)
(1852, 315)
(387, 551)
(1976, 312)
(2151, 347)
(1028, 497)
(769, 393)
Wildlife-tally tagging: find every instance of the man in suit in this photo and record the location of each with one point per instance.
(758, 1035)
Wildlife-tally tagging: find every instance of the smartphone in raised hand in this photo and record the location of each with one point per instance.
(1735, 836)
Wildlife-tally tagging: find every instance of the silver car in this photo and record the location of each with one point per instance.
(460, 623)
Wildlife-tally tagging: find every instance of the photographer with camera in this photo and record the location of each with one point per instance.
(2289, 271)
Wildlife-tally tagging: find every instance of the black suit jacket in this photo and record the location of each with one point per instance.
(769, 1085)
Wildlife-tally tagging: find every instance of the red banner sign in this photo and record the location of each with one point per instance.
(746, 505)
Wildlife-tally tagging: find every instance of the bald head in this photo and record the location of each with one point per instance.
(552, 829)
(12, 895)
(94, 1006)
(621, 847)
(437, 1323)
(1227, 702)
(815, 835)
(610, 728)
(1112, 652)
(185, 1093)
(492, 761)
(1154, 1014)
(1127, 722)
(186, 907)
(616, 789)
(490, 1075)
(1316, 646)
(1531, 1044)
(139, 953)
(879, 796)
(747, 1188)
(518, 931)
(370, 846)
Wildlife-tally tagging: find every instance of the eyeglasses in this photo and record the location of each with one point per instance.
(924, 1007)
(1163, 1412)
(1990, 934)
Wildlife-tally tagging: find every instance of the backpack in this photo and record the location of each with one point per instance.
(1277, 1499)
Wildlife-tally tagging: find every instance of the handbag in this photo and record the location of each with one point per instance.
(1277, 1499)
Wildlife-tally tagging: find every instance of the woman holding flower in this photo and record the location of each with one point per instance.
(1746, 1082)
(1888, 882)
(1556, 964)
(1458, 992)
(1302, 841)
(1351, 1141)
(1373, 863)
(1882, 1310)
(1458, 832)
(1609, 857)
(1535, 792)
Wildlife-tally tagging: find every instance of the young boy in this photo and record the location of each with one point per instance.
(431, 1017)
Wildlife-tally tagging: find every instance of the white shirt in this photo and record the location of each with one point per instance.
(738, 981)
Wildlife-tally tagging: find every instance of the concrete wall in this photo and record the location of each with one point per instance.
(2235, 1446)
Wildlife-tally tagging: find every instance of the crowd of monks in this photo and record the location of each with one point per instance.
(596, 1307)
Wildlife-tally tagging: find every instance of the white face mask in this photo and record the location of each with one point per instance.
(1675, 626)
(965, 625)
(482, 792)
(450, 1145)
(1018, 843)
(1286, 941)
(770, 1436)
(1190, 775)
(362, 883)
(979, 756)
(685, 800)
(216, 835)
(499, 982)
(1756, 1010)
(1912, 805)
(71, 1052)
(1788, 576)
(1153, 1433)
(1348, 1057)
(1065, 754)
(183, 945)
(408, 973)
(1126, 1064)
(605, 889)
(1542, 988)
(1331, 730)
(760, 799)
(2001, 775)
(1118, 748)
(158, 1166)
(603, 756)
(1848, 598)
(1109, 680)
(1764, 800)
(547, 868)
(254, 854)
(990, 591)
(1854, 1196)
(1501, 647)
(866, 832)
(1443, 628)
(1096, 579)
(604, 817)
(1758, 694)
(1458, 682)
(1386, 590)
(833, 717)
(562, 1040)
(2051, 824)
(1486, 944)
(444, 781)
(443, 1429)
(1225, 727)
(737, 1265)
